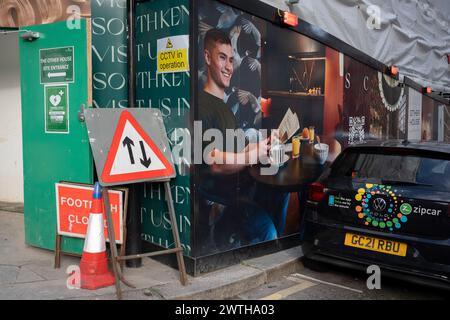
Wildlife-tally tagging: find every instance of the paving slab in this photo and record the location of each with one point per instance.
(13, 250)
(28, 273)
(8, 274)
(11, 206)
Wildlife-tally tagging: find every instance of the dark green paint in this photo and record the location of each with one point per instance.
(171, 94)
(109, 54)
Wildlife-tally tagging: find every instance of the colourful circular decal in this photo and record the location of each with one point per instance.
(380, 206)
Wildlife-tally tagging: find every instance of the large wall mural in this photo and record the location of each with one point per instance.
(233, 210)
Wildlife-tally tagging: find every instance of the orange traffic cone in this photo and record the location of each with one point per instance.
(94, 261)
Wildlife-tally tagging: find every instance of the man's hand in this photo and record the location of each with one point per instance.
(228, 162)
(258, 151)
(275, 137)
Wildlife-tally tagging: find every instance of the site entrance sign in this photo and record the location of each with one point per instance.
(56, 65)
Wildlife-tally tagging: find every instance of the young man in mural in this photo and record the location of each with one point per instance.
(228, 210)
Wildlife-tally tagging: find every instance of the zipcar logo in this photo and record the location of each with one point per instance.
(383, 207)
(430, 212)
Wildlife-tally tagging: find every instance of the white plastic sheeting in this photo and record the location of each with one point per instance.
(412, 34)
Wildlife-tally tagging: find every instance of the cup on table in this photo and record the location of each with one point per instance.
(277, 154)
(295, 146)
(321, 151)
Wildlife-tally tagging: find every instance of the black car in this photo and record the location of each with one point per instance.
(385, 204)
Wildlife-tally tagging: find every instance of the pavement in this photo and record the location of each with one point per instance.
(27, 273)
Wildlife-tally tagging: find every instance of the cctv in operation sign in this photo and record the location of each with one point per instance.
(173, 54)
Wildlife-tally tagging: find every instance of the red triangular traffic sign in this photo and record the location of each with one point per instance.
(133, 156)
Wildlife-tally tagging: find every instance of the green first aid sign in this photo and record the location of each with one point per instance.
(56, 65)
(57, 109)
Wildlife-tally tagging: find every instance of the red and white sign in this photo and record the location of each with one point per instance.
(73, 206)
(133, 156)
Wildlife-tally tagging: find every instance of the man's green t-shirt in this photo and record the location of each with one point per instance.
(215, 114)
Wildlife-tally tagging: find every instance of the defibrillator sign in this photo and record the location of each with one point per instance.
(73, 207)
(173, 54)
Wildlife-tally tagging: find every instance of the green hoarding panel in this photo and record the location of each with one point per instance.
(55, 142)
(166, 21)
(109, 54)
(168, 92)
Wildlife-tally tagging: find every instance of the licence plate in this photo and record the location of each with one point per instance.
(375, 244)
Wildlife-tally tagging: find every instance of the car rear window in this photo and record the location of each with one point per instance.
(431, 172)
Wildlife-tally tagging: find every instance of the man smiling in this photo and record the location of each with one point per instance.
(219, 60)
(224, 182)
(214, 113)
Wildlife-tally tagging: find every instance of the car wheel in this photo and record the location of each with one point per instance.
(314, 265)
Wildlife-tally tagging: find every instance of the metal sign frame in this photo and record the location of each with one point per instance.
(104, 126)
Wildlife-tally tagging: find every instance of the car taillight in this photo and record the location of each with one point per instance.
(316, 192)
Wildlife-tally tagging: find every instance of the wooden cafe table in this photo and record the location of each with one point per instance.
(293, 176)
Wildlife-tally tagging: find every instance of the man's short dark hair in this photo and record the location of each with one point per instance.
(215, 35)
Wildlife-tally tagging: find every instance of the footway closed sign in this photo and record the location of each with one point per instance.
(73, 206)
(173, 54)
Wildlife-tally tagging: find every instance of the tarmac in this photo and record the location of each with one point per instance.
(28, 273)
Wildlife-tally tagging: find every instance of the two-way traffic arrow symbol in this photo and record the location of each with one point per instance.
(133, 156)
(145, 162)
(127, 142)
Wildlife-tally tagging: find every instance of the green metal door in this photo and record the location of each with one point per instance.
(54, 84)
